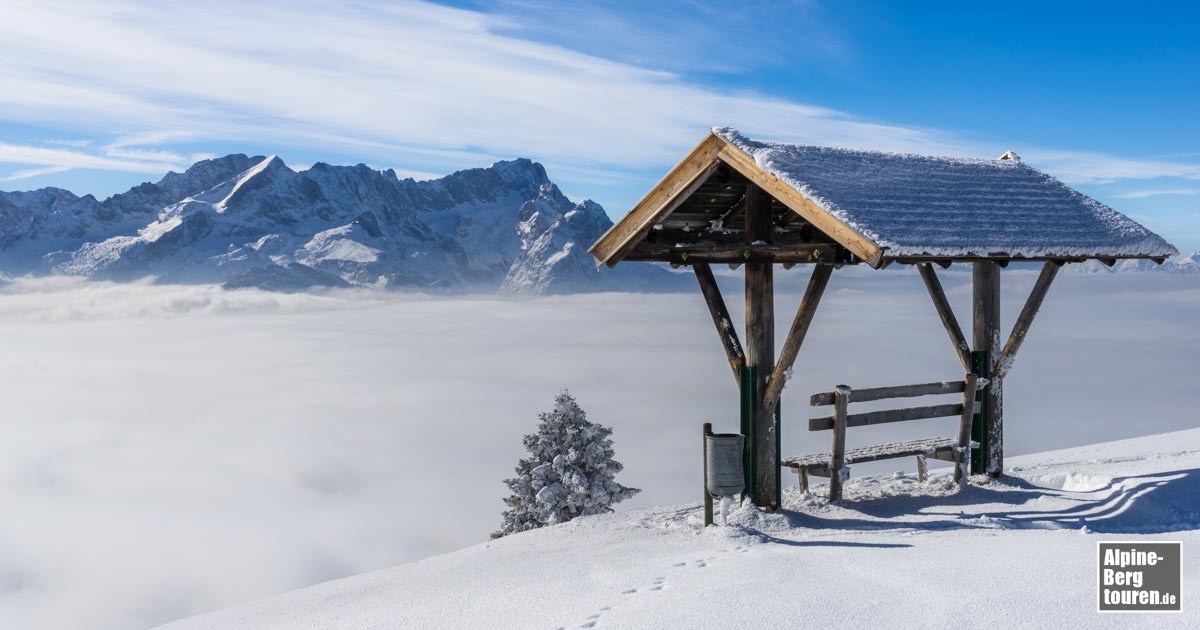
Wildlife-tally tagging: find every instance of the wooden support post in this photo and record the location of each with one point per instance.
(760, 345)
(841, 399)
(1024, 320)
(803, 472)
(987, 341)
(949, 321)
(708, 502)
(721, 319)
(922, 470)
(970, 385)
(795, 337)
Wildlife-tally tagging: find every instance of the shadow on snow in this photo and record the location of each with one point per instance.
(1141, 504)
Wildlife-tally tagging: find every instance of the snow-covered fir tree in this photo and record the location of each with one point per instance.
(569, 472)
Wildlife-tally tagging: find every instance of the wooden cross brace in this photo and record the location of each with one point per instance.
(1025, 319)
(791, 345)
(720, 317)
(795, 337)
(1020, 329)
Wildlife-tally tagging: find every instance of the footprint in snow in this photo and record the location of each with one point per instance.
(592, 620)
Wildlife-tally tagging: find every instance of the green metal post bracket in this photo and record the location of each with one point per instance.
(778, 455)
(749, 413)
(981, 367)
(708, 502)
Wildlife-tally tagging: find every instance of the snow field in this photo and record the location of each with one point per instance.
(894, 553)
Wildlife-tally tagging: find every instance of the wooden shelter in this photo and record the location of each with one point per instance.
(754, 204)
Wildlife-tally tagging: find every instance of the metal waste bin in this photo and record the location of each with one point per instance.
(724, 464)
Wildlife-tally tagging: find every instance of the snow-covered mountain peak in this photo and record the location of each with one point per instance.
(204, 174)
(252, 221)
(589, 216)
(221, 196)
(549, 202)
(521, 170)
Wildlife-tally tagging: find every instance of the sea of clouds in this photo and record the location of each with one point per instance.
(167, 450)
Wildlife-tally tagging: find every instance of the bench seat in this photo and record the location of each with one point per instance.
(908, 448)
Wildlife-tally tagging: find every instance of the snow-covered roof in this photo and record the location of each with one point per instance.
(916, 205)
(880, 207)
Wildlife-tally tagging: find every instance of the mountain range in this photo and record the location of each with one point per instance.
(254, 222)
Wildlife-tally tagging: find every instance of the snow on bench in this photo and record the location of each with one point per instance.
(908, 448)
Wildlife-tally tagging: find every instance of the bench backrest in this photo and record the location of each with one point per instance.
(893, 415)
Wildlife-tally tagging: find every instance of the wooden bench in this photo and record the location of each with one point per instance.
(834, 464)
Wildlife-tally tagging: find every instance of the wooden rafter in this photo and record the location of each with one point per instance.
(782, 254)
(684, 179)
(860, 245)
(720, 317)
(1025, 319)
(946, 313)
(795, 337)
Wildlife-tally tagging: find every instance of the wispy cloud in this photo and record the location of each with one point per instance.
(1087, 167)
(69, 143)
(127, 154)
(683, 35)
(63, 159)
(131, 147)
(445, 86)
(33, 172)
(1140, 194)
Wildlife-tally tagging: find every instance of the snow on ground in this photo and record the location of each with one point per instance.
(167, 451)
(895, 553)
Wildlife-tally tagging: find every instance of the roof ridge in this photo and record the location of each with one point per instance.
(736, 137)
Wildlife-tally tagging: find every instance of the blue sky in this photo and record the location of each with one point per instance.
(608, 94)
